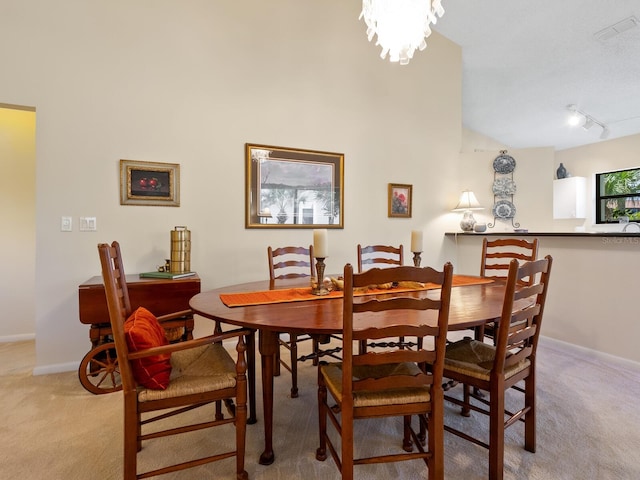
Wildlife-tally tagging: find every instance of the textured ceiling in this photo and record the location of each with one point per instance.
(524, 61)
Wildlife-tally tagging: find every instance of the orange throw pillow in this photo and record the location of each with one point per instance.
(142, 330)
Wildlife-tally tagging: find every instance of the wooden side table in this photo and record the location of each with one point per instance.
(160, 296)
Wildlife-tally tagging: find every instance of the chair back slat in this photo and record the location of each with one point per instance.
(497, 255)
(392, 382)
(376, 333)
(392, 356)
(396, 303)
(526, 313)
(520, 356)
(290, 262)
(385, 255)
(416, 316)
(521, 335)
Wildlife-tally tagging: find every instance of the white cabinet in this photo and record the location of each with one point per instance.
(570, 198)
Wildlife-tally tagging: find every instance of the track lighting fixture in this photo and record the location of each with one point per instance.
(588, 123)
(577, 116)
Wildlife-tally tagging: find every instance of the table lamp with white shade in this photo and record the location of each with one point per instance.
(466, 204)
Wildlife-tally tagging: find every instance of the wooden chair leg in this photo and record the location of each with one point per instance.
(346, 438)
(132, 444)
(422, 433)
(530, 417)
(251, 377)
(293, 343)
(321, 451)
(316, 349)
(138, 432)
(496, 433)
(241, 432)
(276, 366)
(407, 443)
(436, 438)
(466, 398)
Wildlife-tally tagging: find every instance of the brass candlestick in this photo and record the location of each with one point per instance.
(416, 259)
(320, 289)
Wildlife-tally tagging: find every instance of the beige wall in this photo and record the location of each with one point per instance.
(606, 156)
(594, 280)
(191, 82)
(18, 215)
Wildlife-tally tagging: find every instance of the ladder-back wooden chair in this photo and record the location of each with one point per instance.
(387, 380)
(496, 257)
(496, 369)
(162, 380)
(379, 256)
(291, 262)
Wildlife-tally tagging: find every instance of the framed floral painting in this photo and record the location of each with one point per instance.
(149, 183)
(400, 199)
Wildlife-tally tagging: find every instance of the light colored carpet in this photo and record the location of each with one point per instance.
(588, 428)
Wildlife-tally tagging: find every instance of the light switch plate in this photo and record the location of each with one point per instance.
(88, 224)
(66, 224)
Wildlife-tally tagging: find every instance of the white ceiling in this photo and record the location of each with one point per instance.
(524, 61)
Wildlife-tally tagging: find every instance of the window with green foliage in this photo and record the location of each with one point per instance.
(618, 196)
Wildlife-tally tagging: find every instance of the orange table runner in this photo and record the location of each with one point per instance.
(245, 299)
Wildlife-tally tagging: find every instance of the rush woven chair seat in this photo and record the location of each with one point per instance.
(387, 380)
(162, 380)
(495, 369)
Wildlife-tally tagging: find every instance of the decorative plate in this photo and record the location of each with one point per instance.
(504, 186)
(504, 209)
(504, 163)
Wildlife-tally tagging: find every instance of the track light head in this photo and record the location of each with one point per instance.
(588, 123)
(574, 115)
(577, 116)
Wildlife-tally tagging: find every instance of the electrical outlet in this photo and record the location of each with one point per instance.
(88, 224)
(66, 224)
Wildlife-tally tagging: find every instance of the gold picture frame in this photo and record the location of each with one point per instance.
(149, 183)
(293, 188)
(400, 200)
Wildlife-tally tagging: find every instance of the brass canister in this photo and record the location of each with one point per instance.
(180, 250)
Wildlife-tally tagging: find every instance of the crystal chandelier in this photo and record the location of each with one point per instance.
(402, 26)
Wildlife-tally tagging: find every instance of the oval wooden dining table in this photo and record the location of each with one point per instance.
(471, 305)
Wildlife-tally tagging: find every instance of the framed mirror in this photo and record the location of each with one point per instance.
(293, 188)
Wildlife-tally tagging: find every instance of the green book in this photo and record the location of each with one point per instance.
(169, 275)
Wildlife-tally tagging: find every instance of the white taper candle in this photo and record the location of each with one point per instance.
(320, 243)
(416, 241)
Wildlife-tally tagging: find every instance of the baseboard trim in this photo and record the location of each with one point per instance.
(56, 368)
(17, 338)
(562, 346)
(547, 341)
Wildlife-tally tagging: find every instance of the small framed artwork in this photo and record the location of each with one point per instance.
(400, 199)
(149, 183)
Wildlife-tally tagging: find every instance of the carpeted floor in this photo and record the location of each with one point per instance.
(588, 428)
